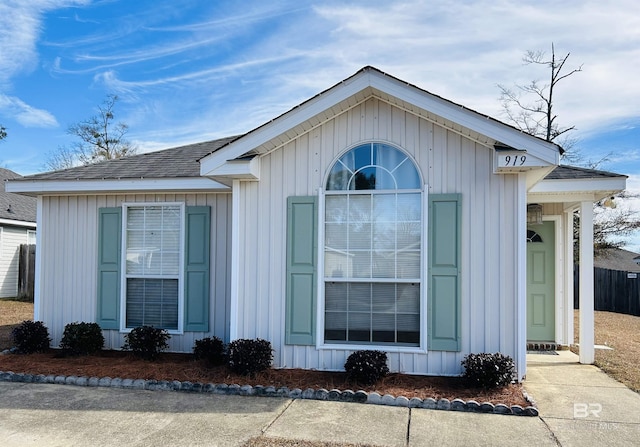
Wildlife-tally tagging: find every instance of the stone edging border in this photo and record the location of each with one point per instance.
(270, 391)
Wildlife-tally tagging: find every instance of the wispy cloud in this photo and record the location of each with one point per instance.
(20, 27)
(25, 114)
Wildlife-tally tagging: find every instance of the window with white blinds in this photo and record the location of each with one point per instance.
(372, 248)
(153, 238)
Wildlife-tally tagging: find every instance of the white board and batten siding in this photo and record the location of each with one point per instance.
(10, 240)
(68, 272)
(449, 163)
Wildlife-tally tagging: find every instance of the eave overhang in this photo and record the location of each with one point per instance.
(573, 191)
(105, 186)
(372, 83)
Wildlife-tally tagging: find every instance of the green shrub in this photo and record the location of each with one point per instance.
(488, 370)
(211, 350)
(366, 367)
(146, 342)
(82, 339)
(248, 357)
(31, 336)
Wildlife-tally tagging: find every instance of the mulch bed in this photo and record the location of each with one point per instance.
(183, 367)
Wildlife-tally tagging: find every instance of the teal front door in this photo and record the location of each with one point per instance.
(541, 282)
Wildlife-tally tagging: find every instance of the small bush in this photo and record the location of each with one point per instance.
(366, 367)
(211, 350)
(31, 336)
(488, 370)
(146, 342)
(82, 339)
(248, 357)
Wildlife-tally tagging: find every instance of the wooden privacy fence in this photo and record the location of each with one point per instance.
(27, 270)
(614, 291)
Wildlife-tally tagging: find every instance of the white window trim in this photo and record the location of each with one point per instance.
(35, 235)
(320, 341)
(123, 263)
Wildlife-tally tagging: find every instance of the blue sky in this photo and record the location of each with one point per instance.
(193, 70)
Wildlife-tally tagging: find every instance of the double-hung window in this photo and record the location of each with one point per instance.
(373, 248)
(153, 253)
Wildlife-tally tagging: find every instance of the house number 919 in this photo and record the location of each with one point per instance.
(515, 160)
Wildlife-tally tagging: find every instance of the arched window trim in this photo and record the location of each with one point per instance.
(420, 280)
(533, 236)
(340, 157)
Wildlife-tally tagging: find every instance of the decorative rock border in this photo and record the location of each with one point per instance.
(270, 391)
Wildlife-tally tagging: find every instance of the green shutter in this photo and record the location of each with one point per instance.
(109, 262)
(444, 272)
(196, 276)
(302, 243)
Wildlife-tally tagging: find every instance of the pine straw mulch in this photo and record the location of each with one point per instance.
(183, 367)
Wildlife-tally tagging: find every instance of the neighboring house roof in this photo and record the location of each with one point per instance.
(177, 162)
(564, 172)
(617, 259)
(15, 207)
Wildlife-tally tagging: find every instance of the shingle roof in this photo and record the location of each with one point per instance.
(564, 172)
(183, 162)
(177, 162)
(15, 206)
(617, 259)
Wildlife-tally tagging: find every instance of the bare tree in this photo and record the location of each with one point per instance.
(3, 132)
(100, 139)
(530, 107)
(62, 158)
(611, 224)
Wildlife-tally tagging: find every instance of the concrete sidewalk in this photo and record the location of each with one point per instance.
(567, 395)
(580, 404)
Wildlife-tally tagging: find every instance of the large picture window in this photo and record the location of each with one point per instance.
(372, 248)
(153, 252)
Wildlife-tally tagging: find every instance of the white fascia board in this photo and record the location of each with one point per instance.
(243, 169)
(566, 198)
(17, 223)
(467, 118)
(403, 91)
(591, 185)
(284, 123)
(52, 187)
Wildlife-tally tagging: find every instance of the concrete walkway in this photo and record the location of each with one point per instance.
(579, 405)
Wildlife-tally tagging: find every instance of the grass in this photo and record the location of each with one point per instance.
(622, 333)
(12, 313)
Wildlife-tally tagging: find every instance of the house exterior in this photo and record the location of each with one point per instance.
(17, 227)
(375, 215)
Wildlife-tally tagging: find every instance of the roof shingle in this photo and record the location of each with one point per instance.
(177, 162)
(15, 206)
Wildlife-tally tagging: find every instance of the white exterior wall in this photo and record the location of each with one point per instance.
(449, 163)
(11, 238)
(69, 254)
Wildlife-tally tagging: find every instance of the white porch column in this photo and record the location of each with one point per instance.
(569, 339)
(37, 300)
(587, 336)
(235, 261)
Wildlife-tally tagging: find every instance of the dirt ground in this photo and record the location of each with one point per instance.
(11, 314)
(622, 333)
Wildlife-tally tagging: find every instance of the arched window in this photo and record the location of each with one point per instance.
(532, 236)
(372, 248)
